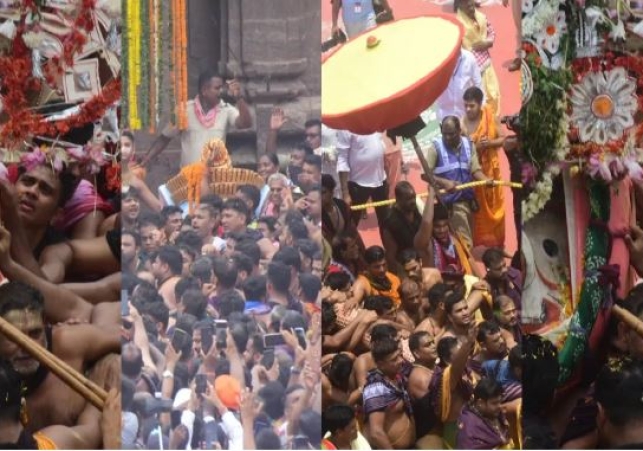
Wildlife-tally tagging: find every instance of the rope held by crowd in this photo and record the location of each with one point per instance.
(79, 383)
(442, 191)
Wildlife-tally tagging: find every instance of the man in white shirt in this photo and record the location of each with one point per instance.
(466, 74)
(208, 117)
(360, 164)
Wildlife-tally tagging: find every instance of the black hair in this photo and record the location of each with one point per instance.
(254, 288)
(493, 256)
(440, 212)
(416, 338)
(172, 257)
(242, 262)
(20, 296)
(170, 210)
(380, 304)
(239, 334)
(515, 357)
(437, 294)
(249, 248)
(307, 247)
(445, 348)
(269, 221)
(403, 187)
(487, 389)
(279, 276)
(293, 320)
(485, 329)
(310, 286)
(236, 204)
(309, 422)
(229, 302)
(131, 360)
(190, 239)
(133, 234)
(328, 182)
(473, 94)
(226, 272)
(213, 200)
(312, 123)
(453, 298)
(407, 255)
(202, 270)
(374, 254)
(340, 370)
(619, 390)
(158, 311)
(289, 256)
(273, 397)
(206, 76)
(328, 316)
(184, 284)
(313, 160)
(194, 302)
(337, 280)
(252, 193)
(68, 183)
(540, 372)
(337, 417)
(381, 349)
(268, 440)
(383, 332)
(272, 157)
(151, 219)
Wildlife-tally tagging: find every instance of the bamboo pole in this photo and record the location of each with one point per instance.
(79, 383)
(458, 188)
(629, 319)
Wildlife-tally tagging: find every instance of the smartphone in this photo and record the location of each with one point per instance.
(201, 381)
(222, 339)
(220, 324)
(268, 358)
(180, 339)
(300, 333)
(207, 338)
(272, 340)
(124, 303)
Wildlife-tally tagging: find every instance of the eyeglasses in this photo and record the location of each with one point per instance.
(312, 135)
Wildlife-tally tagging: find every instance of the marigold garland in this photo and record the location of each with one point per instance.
(194, 174)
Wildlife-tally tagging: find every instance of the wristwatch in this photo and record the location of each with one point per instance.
(168, 373)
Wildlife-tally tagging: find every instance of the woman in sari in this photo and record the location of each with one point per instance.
(478, 38)
(480, 124)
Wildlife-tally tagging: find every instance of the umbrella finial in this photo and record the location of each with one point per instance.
(372, 42)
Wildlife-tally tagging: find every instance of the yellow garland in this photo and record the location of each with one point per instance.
(194, 174)
(134, 24)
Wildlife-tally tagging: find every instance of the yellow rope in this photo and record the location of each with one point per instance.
(458, 188)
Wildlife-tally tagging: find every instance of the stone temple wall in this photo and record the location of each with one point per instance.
(272, 46)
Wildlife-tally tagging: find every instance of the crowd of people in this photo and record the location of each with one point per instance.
(60, 266)
(222, 321)
(422, 345)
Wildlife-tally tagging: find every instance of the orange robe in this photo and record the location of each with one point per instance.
(393, 293)
(489, 221)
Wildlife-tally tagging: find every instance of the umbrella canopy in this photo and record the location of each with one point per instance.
(387, 76)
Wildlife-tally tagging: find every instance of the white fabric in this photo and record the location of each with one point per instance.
(234, 430)
(187, 420)
(363, 157)
(466, 75)
(328, 152)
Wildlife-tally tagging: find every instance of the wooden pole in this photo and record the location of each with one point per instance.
(83, 386)
(632, 321)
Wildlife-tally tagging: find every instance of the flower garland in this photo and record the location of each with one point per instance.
(194, 174)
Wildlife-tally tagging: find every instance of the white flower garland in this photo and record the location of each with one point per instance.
(541, 194)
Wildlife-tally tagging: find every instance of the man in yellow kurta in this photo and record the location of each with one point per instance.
(481, 126)
(479, 36)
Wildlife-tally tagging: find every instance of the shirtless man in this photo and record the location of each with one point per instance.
(506, 313)
(387, 407)
(411, 313)
(459, 316)
(49, 400)
(60, 304)
(436, 320)
(166, 268)
(13, 435)
(412, 265)
(365, 363)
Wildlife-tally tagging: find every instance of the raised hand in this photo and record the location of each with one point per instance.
(277, 119)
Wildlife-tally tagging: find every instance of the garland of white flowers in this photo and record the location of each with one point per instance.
(541, 194)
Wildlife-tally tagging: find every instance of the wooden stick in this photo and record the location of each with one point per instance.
(629, 319)
(83, 386)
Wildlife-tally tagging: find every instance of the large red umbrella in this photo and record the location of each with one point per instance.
(387, 76)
